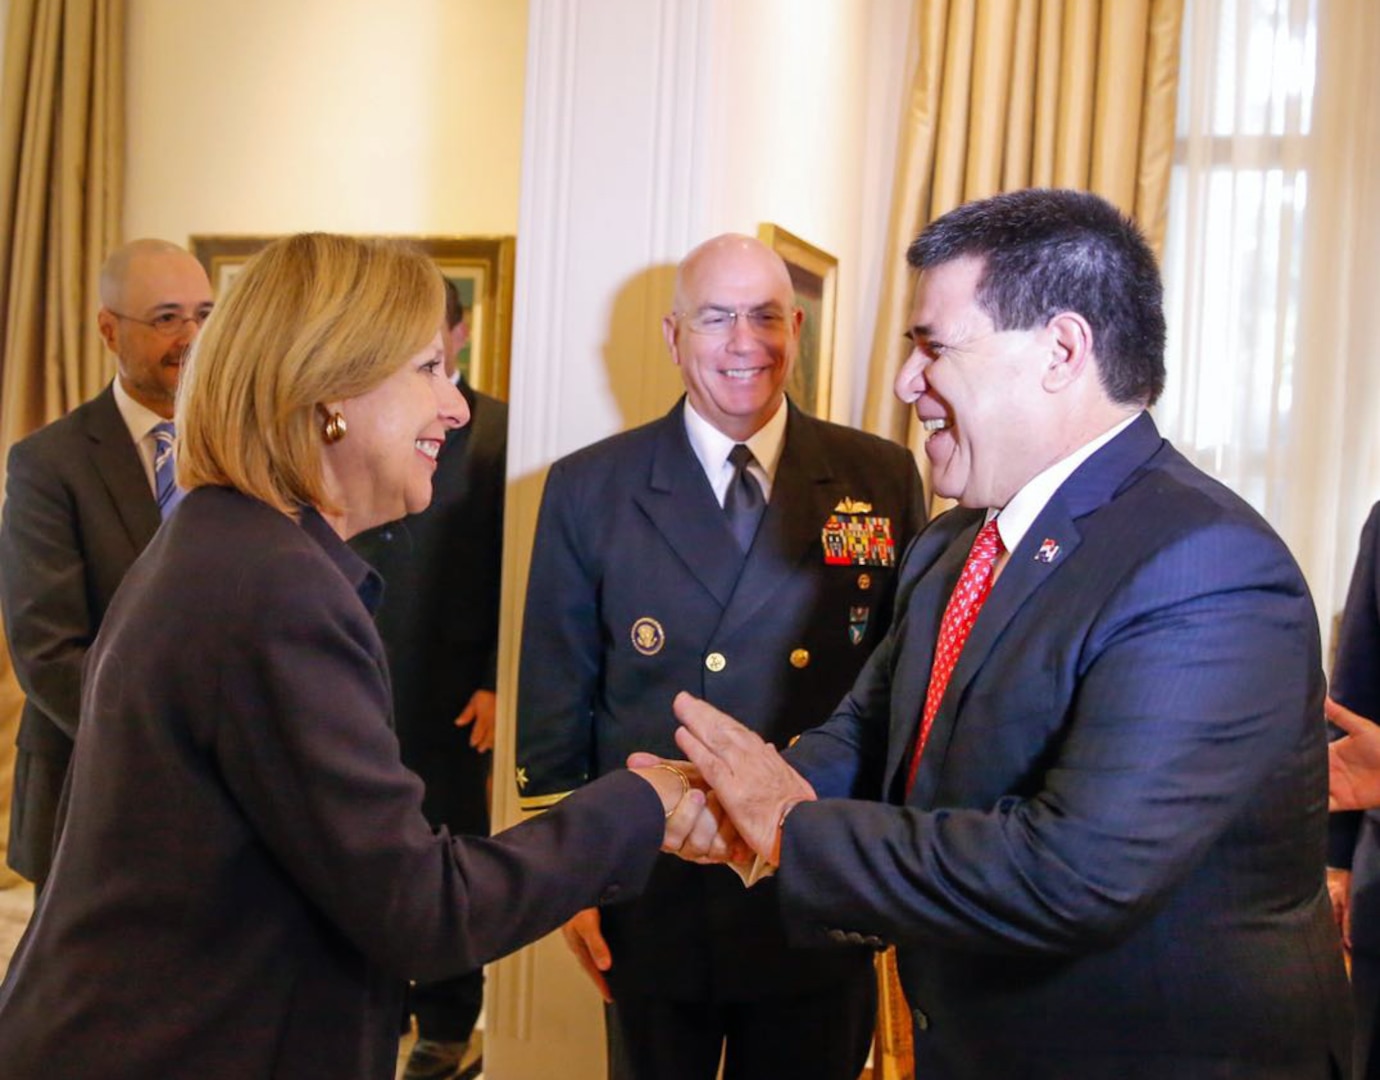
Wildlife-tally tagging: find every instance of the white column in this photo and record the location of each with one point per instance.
(609, 171)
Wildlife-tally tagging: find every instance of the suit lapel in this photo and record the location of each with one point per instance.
(1046, 548)
(115, 459)
(790, 528)
(681, 505)
(1019, 580)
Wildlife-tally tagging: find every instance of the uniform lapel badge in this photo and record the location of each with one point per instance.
(854, 536)
(647, 636)
(1049, 551)
(857, 623)
(521, 777)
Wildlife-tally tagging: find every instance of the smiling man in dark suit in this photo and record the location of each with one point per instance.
(80, 506)
(1082, 783)
(744, 549)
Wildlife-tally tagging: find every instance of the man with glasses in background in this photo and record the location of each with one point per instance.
(742, 549)
(84, 495)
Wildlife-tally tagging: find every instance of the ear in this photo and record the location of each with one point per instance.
(106, 323)
(1071, 351)
(668, 331)
(458, 336)
(797, 320)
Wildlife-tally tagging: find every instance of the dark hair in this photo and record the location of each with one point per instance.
(455, 309)
(1045, 251)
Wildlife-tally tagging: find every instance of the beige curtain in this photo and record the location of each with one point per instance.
(11, 702)
(1025, 93)
(61, 170)
(1334, 475)
(1273, 270)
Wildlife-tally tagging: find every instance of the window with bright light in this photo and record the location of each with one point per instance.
(1232, 257)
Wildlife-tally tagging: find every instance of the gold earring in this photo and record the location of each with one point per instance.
(334, 429)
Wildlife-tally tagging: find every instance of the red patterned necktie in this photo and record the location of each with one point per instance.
(968, 597)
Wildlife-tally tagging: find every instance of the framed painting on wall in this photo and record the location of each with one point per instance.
(814, 276)
(480, 268)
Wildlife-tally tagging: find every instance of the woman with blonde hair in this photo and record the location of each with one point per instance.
(245, 879)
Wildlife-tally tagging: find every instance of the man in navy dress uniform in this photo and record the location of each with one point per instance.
(742, 549)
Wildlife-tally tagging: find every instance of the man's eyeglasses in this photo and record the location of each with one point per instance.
(720, 322)
(167, 323)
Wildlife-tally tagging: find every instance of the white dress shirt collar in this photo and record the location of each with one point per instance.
(712, 446)
(140, 420)
(1014, 519)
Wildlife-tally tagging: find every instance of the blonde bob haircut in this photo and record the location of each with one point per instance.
(312, 319)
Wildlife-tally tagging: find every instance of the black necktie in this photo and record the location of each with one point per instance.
(743, 502)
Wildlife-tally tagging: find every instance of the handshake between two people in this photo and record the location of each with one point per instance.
(735, 790)
(724, 804)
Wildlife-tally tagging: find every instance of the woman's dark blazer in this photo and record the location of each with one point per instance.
(245, 878)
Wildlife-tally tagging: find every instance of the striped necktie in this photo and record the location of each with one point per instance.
(165, 486)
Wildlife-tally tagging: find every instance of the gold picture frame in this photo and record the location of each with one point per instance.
(481, 268)
(814, 274)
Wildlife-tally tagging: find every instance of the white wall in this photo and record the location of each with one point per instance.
(803, 129)
(261, 116)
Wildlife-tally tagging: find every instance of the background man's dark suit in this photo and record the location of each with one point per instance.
(439, 623)
(1122, 875)
(78, 511)
(439, 617)
(1355, 836)
(631, 536)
